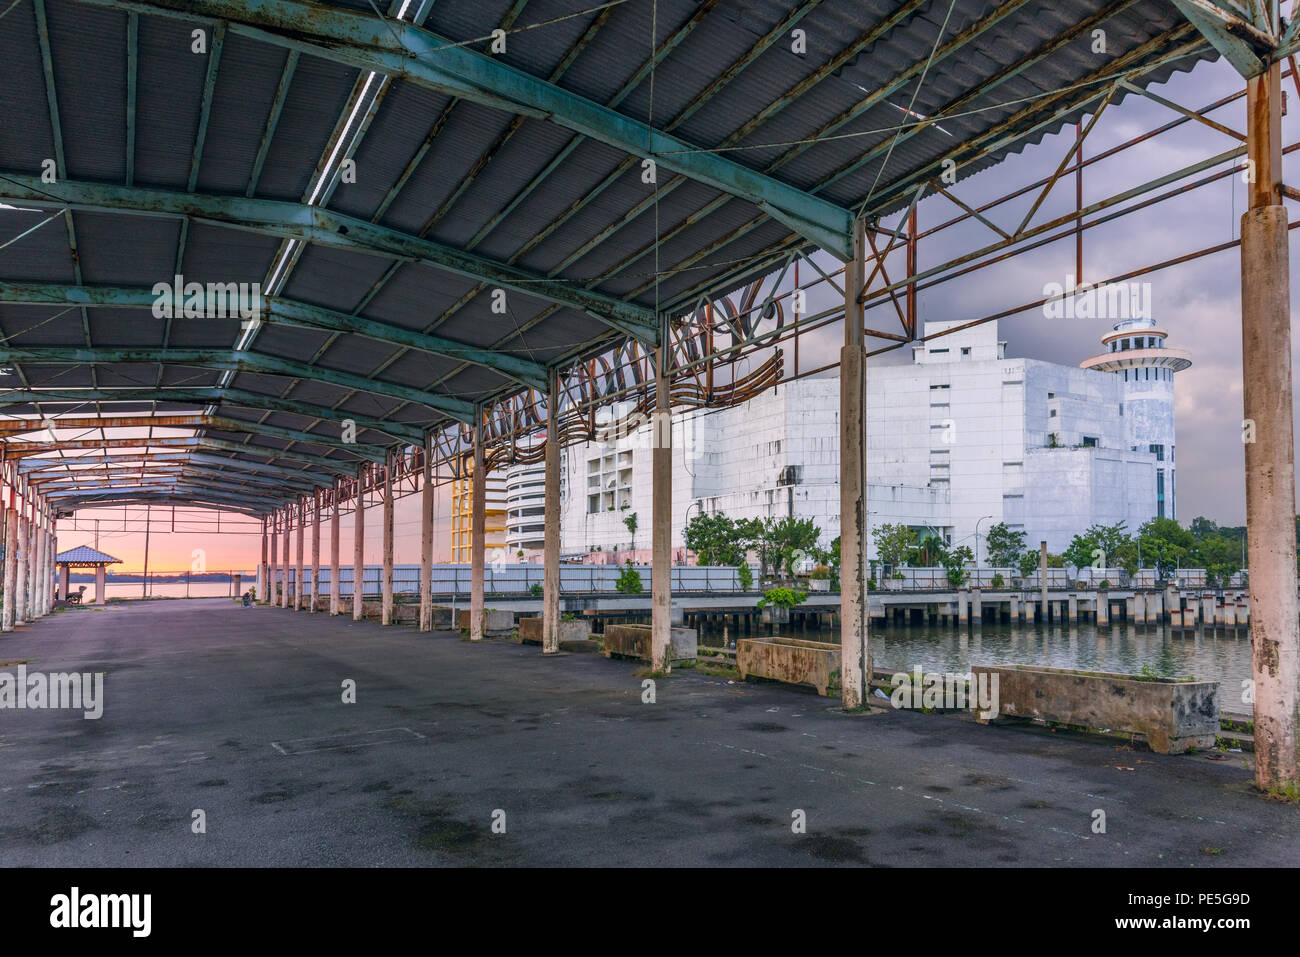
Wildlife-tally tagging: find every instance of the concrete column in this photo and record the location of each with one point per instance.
(67, 581)
(24, 556)
(1015, 608)
(1103, 608)
(272, 570)
(1207, 611)
(299, 570)
(386, 575)
(29, 573)
(284, 562)
(1056, 611)
(263, 569)
(1152, 608)
(8, 616)
(1031, 612)
(1270, 457)
(1072, 609)
(855, 620)
(963, 606)
(976, 606)
(477, 530)
(426, 539)
(661, 501)
(551, 521)
(314, 593)
(335, 559)
(43, 606)
(101, 585)
(358, 547)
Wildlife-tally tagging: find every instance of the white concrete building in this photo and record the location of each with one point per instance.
(526, 507)
(958, 440)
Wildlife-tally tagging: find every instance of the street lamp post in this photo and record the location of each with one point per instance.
(977, 541)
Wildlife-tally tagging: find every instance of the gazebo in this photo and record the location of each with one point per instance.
(85, 557)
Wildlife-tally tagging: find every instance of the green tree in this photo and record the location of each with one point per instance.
(1098, 547)
(1004, 546)
(780, 542)
(955, 565)
(630, 522)
(1165, 543)
(894, 543)
(931, 552)
(717, 539)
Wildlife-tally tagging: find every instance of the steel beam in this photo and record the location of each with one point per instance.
(1245, 46)
(207, 394)
(323, 227)
(289, 312)
(234, 360)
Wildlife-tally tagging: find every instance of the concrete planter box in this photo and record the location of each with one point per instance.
(819, 584)
(1171, 715)
(633, 641)
(791, 660)
(530, 631)
(496, 622)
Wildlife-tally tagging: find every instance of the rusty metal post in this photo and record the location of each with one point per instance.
(661, 511)
(478, 521)
(855, 621)
(299, 576)
(551, 520)
(262, 569)
(314, 593)
(359, 547)
(1270, 458)
(386, 581)
(335, 558)
(426, 538)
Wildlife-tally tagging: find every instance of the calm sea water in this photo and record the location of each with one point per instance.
(1225, 657)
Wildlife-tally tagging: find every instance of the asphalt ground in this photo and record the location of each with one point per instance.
(490, 754)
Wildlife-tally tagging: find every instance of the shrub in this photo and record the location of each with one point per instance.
(785, 597)
(629, 583)
(535, 591)
(1105, 583)
(746, 576)
(820, 573)
(999, 581)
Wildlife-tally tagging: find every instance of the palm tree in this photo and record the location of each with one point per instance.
(630, 522)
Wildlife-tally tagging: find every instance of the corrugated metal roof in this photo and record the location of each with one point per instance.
(85, 555)
(470, 176)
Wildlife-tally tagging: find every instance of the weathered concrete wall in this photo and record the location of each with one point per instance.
(633, 641)
(1171, 715)
(531, 630)
(791, 660)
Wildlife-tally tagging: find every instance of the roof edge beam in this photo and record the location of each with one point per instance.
(1249, 49)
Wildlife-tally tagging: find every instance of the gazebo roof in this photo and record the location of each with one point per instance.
(85, 555)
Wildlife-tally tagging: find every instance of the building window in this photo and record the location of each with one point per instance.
(1160, 493)
(965, 350)
(1123, 345)
(609, 482)
(1158, 451)
(1089, 441)
(935, 352)
(1051, 414)
(938, 385)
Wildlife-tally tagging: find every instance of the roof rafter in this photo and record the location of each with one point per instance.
(325, 227)
(290, 312)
